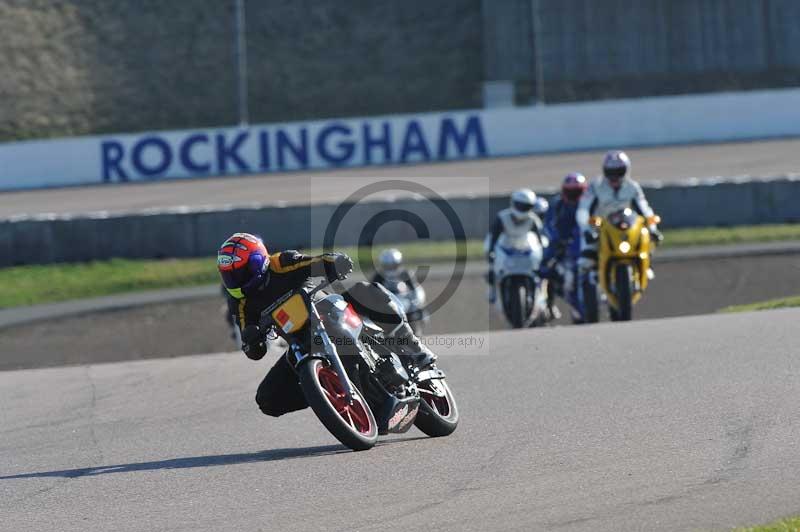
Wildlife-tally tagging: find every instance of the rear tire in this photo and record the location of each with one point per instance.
(438, 416)
(624, 293)
(354, 425)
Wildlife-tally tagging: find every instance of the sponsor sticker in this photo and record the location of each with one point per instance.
(398, 416)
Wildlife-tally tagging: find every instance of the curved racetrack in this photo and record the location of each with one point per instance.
(685, 287)
(676, 424)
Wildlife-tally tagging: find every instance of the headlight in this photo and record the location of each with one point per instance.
(624, 247)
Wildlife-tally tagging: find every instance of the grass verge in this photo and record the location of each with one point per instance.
(30, 285)
(790, 524)
(781, 302)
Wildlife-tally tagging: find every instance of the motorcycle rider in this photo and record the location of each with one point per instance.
(390, 269)
(516, 220)
(612, 191)
(254, 279)
(564, 235)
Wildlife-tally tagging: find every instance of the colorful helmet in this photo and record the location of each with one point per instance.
(616, 166)
(522, 202)
(390, 261)
(573, 187)
(243, 263)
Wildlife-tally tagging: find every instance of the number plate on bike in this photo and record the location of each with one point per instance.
(292, 315)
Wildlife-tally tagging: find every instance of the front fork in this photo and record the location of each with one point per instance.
(328, 354)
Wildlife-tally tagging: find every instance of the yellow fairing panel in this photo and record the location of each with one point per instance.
(609, 252)
(292, 315)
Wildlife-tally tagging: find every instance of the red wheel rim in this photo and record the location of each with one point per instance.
(440, 404)
(354, 414)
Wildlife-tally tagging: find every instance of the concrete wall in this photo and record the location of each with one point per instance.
(401, 139)
(177, 234)
(593, 49)
(93, 66)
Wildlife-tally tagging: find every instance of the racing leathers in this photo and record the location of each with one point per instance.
(601, 199)
(279, 392)
(507, 225)
(402, 276)
(564, 237)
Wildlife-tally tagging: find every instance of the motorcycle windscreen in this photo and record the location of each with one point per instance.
(292, 315)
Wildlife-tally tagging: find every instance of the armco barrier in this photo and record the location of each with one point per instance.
(198, 233)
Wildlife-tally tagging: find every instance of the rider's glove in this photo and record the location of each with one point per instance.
(657, 235)
(590, 237)
(342, 265)
(253, 343)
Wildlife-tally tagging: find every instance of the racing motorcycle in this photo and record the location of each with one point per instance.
(623, 264)
(523, 295)
(563, 282)
(412, 302)
(351, 378)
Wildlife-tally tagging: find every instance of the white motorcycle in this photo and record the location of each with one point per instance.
(522, 295)
(413, 303)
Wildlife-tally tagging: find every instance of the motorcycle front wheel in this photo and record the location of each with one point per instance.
(353, 424)
(515, 302)
(591, 308)
(438, 412)
(624, 290)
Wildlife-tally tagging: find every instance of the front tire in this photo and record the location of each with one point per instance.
(515, 302)
(591, 309)
(438, 412)
(352, 424)
(624, 293)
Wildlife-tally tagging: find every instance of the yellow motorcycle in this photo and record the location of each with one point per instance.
(623, 263)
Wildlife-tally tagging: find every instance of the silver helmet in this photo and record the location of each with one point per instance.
(389, 262)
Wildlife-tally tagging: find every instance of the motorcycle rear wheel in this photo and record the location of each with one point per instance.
(438, 416)
(352, 424)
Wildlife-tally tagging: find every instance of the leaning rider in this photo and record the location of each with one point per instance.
(611, 192)
(515, 221)
(254, 280)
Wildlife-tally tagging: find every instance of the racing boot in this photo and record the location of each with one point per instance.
(491, 291)
(410, 349)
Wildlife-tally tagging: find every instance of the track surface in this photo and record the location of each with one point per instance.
(762, 158)
(678, 424)
(189, 327)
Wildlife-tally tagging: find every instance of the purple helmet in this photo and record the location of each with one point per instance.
(572, 187)
(616, 166)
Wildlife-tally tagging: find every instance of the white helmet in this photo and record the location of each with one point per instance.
(522, 202)
(389, 262)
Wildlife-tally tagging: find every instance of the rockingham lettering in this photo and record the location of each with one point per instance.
(292, 147)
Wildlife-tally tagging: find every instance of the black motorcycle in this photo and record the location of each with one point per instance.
(351, 377)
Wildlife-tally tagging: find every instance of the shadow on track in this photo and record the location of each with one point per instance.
(190, 462)
(202, 461)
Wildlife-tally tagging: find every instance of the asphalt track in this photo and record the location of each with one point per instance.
(676, 424)
(758, 158)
